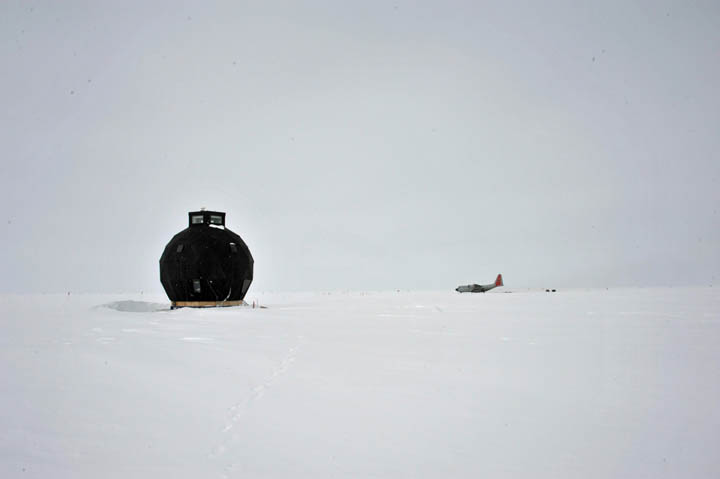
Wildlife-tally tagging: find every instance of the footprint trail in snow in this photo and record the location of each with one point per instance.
(243, 407)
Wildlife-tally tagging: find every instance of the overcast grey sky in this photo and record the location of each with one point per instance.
(363, 145)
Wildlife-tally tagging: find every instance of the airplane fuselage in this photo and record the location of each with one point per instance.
(475, 288)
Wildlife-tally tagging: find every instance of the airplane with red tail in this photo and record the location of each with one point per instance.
(480, 288)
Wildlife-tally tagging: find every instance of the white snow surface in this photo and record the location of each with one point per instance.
(582, 383)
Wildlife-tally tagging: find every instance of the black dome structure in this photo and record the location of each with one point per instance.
(206, 264)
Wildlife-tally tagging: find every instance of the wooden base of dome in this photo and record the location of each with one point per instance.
(206, 304)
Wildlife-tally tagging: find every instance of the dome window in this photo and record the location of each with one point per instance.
(211, 218)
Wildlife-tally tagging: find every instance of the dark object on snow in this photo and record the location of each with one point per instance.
(206, 262)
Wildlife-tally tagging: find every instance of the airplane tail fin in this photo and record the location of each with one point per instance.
(499, 281)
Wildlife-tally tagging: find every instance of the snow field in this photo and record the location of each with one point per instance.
(584, 383)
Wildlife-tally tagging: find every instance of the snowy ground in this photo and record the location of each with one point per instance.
(618, 383)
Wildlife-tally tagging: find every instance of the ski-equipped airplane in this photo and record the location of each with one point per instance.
(480, 288)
